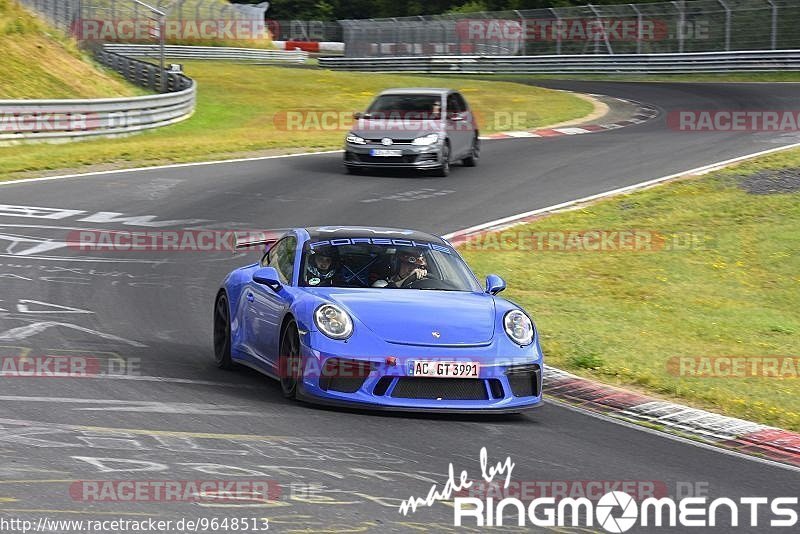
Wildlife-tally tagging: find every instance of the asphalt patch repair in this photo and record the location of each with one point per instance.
(771, 182)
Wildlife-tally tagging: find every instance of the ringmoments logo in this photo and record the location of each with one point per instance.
(615, 511)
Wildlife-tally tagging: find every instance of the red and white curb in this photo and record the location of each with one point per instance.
(728, 432)
(310, 46)
(643, 114)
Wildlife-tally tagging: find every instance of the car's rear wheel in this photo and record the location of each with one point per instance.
(474, 155)
(444, 170)
(289, 364)
(222, 332)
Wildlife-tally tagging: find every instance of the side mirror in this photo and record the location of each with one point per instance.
(358, 115)
(268, 276)
(494, 284)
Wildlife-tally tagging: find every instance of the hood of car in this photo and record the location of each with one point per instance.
(421, 317)
(399, 128)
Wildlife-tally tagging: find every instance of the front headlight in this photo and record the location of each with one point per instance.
(356, 140)
(426, 140)
(333, 321)
(518, 327)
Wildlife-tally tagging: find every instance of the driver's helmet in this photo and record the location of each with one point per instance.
(320, 266)
(410, 255)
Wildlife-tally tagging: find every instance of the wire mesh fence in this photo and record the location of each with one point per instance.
(304, 30)
(202, 21)
(679, 26)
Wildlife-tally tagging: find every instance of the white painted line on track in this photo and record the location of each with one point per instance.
(574, 130)
(521, 134)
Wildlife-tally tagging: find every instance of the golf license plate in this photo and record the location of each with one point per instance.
(444, 369)
(385, 152)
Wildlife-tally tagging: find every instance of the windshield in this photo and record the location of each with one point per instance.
(384, 263)
(424, 106)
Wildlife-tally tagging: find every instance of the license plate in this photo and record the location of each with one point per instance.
(385, 152)
(444, 369)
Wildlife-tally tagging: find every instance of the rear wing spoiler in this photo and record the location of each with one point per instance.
(258, 239)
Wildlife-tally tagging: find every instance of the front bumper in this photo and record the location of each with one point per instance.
(416, 157)
(505, 387)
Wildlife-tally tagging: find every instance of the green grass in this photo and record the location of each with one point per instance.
(621, 316)
(40, 62)
(238, 104)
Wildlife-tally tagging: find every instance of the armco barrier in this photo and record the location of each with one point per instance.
(709, 62)
(65, 120)
(72, 119)
(209, 52)
(142, 73)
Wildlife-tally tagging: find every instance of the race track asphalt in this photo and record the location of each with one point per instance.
(179, 418)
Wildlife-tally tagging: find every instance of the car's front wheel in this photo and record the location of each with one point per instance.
(289, 360)
(222, 332)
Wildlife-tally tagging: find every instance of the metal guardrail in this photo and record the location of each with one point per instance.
(72, 119)
(704, 62)
(65, 120)
(142, 73)
(210, 52)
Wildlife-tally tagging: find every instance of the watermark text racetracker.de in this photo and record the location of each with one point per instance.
(729, 120)
(54, 120)
(589, 240)
(239, 491)
(67, 366)
(615, 511)
(780, 367)
(572, 29)
(397, 122)
(168, 240)
(146, 29)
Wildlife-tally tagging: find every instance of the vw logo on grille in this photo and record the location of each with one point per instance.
(436, 334)
(386, 141)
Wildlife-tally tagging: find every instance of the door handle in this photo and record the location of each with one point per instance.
(250, 297)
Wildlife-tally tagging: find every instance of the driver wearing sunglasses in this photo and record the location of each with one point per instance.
(411, 266)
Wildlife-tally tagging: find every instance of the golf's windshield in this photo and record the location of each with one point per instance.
(360, 262)
(422, 106)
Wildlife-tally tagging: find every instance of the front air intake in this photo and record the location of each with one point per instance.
(344, 376)
(525, 380)
(440, 388)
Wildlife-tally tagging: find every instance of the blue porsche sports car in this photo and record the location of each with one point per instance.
(378, 318)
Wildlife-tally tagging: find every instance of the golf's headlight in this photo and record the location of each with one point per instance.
(333, 321)
(426, 140)
(518, 327)
(356, 140)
